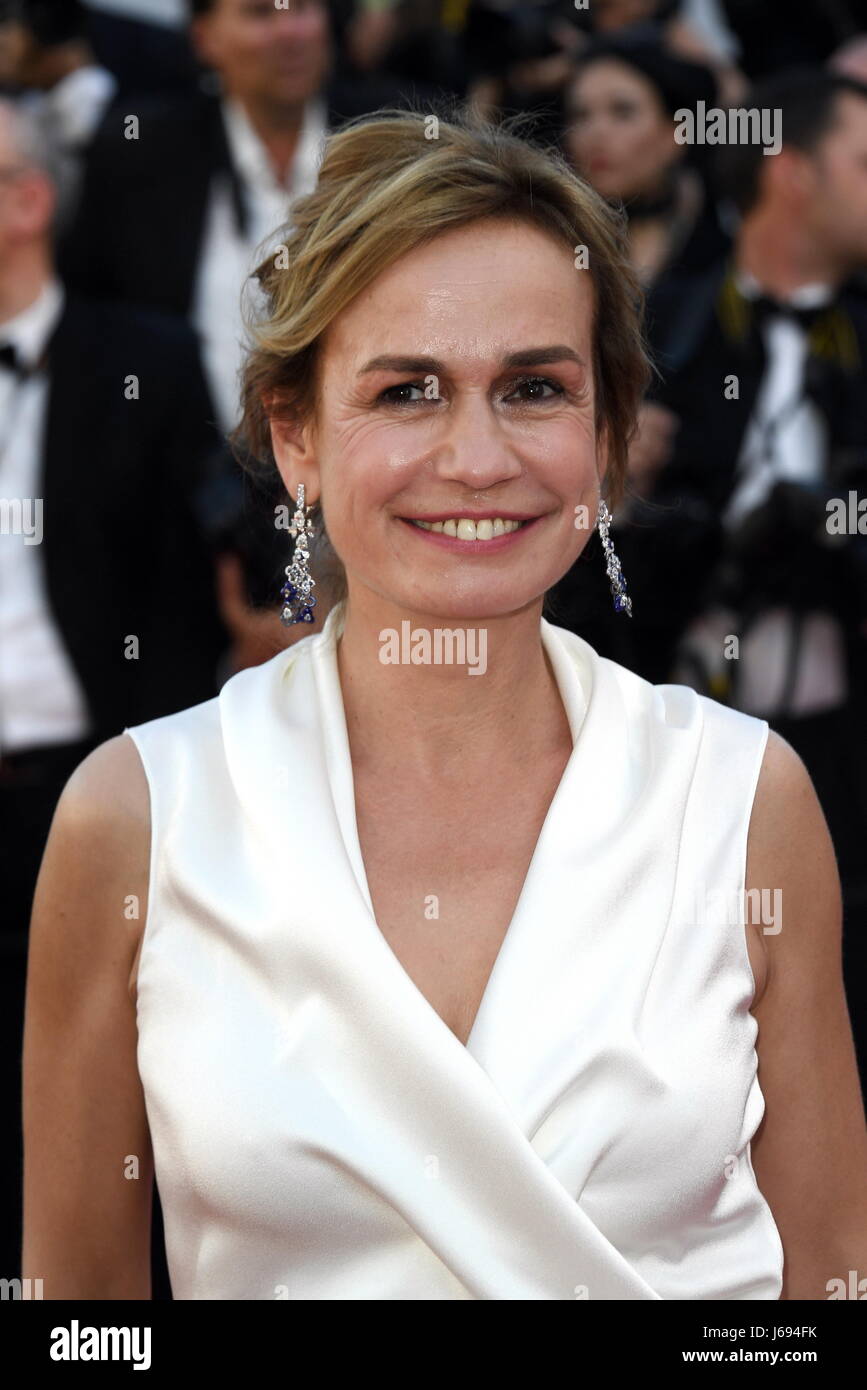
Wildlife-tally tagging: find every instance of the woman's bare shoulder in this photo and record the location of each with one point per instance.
(108, 788)
(95, 869)
(790, 863)
(791, 859)
(787, 826)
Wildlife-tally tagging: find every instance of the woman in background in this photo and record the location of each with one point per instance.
(620, 135)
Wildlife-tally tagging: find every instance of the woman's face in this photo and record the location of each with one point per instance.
(618, 135)
(458, 386)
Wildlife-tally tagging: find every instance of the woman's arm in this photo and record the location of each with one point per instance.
(810, 1153)
(88, 1167)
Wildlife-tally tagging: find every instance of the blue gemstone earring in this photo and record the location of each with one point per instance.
(297, 592)
(622, 601)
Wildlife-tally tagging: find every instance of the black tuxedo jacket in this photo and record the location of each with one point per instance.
(702, 332)
(122, 551)
(140, 222)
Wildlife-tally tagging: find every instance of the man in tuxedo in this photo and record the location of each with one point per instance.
(176, 202)
(763, 357)
(108, 614)
(763, 362)
(56, 64)
(57, 77)
(764, 365)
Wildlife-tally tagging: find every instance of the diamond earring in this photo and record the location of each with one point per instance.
(622, 601)
(297, 592)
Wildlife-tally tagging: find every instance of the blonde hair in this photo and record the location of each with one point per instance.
(388, 183)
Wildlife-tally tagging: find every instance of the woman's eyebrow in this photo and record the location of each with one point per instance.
(526, 357)
(539, 357)
(387, 363)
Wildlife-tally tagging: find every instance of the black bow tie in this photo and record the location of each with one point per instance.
(10, 360)
(765, 307)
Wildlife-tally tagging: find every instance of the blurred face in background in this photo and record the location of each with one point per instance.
(835, 192)
(26, 202)
(265, 55)
(619, 136)
(14, 41)
(9, 191)
(609, 15)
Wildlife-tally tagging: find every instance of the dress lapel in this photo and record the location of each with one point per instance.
(339, 764)
(502, 1210)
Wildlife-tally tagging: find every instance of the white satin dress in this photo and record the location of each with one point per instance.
(320, 1133)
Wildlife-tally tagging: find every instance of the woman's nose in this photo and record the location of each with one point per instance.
(475, 448)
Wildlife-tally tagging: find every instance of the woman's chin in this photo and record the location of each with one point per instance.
(467, 605)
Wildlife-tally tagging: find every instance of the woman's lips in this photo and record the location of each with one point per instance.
(470, 547)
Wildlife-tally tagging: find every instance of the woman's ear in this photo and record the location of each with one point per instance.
(293, 446)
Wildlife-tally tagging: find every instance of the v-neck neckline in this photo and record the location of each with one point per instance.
(575, 695)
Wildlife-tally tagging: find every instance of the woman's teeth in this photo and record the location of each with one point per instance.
(466, 530)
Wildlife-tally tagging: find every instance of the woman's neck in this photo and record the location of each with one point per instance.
(782, 256)
(656, 203)
(498, 697)
(278, 128)
(659, 226)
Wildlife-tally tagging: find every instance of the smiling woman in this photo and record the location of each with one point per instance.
(388, 187)
(431, 942)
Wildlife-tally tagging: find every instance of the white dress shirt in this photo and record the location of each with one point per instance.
(795, 447)
(41, 700)
(72, 109)
(69, 115)
(173, 14)
(227, 258)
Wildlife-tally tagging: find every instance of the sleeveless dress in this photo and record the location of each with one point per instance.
(320, 1133)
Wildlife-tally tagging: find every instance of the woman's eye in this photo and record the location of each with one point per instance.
(395, 395)
(535, 386)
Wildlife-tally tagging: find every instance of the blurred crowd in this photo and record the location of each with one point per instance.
(150, 150)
